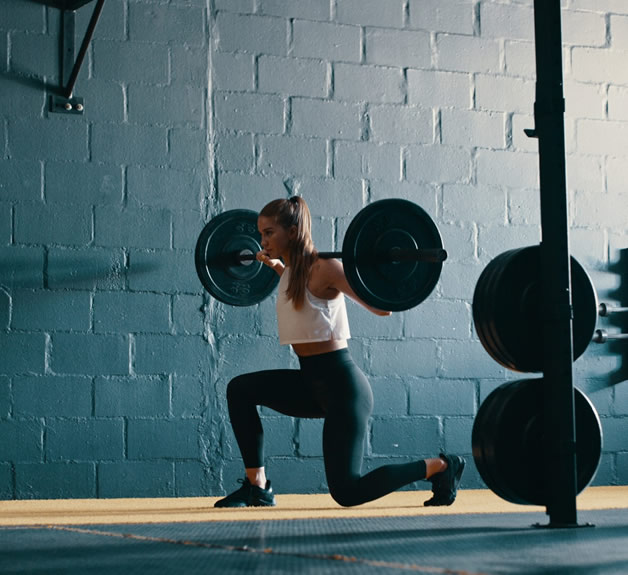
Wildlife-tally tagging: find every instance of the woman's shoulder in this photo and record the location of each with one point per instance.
(326, 272)
(328, 266)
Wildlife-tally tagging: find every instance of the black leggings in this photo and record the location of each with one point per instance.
(329, 386)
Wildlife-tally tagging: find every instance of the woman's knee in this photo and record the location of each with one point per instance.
(344, 487)
(238, 389)
(344, 495)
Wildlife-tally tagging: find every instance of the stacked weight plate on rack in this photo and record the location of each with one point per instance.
(508, 431)
(508, 439)
(507, 304)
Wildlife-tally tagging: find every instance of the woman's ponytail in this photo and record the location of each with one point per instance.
(295, 212)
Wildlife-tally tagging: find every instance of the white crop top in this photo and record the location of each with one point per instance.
(318, 319)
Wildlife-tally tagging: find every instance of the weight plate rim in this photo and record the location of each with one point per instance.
(579, 275)
(479, 439)
(501, 397)
(480, 308)
(513, 266)
(522, 392)
(599, 444)
(508, 360)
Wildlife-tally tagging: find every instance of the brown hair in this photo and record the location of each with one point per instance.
(288, 213)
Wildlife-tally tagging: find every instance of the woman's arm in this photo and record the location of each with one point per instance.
(332, 273)
(276, 265)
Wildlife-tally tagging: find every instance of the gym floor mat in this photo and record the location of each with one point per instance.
(311, 534)
(319, 506)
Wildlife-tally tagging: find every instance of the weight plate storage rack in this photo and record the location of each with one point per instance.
(539, 441)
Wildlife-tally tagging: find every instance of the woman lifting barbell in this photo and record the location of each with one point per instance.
(312, 318)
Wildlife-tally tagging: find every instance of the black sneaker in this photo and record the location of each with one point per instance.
(248, 496)
(445, 484)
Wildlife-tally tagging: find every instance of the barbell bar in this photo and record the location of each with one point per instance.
(392, 256)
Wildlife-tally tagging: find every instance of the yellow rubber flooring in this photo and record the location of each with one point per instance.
(200, 509)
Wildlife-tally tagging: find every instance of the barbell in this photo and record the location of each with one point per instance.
(392, 256)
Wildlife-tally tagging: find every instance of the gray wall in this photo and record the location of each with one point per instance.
(114, 363)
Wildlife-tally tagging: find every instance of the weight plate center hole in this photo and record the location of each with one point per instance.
(247, 262)
(392, 243)
(238, 246)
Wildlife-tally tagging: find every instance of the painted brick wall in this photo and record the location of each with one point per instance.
(114, 363)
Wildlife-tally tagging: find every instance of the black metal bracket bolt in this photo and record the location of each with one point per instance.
(66, 103)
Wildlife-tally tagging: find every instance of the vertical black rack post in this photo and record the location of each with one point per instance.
(558, 463)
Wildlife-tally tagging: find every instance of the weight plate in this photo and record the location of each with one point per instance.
(495, 335)
(508, 439)
(223, 276)
(510, 309)
(483, 443)
(478, 442)
(484, 324)
(519, 291)
(376, 230)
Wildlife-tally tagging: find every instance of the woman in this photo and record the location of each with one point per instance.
(312, 318)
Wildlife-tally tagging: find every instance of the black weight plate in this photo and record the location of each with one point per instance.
(508, 440)
(530, 432)
(515, 489)
(378, 228)
(227, 280)
(483, 443)
(484, 322)
(507, 358)
(479, 306)
(516, 309)
(485, 295)
(486, 426)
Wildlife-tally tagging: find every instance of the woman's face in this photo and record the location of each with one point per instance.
(276, 239)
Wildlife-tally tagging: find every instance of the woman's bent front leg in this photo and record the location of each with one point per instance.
(283, 390)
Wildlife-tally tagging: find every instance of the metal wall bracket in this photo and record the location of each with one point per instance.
(61, 105)
(66, 103)
(65, 4)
